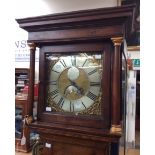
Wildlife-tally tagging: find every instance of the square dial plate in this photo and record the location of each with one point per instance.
(74, 82)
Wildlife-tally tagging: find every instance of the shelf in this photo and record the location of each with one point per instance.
(21, 103)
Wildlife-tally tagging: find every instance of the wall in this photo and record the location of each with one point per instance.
(131, 98)
(27, 8)
(131, 109)
(39, 7)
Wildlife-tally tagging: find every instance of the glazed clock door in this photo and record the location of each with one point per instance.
(72, 84)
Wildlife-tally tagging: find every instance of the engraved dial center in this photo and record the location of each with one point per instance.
(73, 83)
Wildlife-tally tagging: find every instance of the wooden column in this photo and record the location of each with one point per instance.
(116, 85)
(32, 77)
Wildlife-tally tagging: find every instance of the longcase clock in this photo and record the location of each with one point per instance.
(79, 109)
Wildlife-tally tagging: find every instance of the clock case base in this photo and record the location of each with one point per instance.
(71, 140)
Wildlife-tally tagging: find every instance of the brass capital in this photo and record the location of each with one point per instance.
(119, 2)
(133, 48)
(116, 129)
(117, 41)
(28, 119)
(32, 46)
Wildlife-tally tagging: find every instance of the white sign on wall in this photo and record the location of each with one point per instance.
(131, 109)
(22, 53)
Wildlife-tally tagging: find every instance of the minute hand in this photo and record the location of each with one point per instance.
(79, 89)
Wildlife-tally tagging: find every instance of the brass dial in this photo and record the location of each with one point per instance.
(74, 83)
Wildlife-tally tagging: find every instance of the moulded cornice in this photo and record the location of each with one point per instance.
(77, 18)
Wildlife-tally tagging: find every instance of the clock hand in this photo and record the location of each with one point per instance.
(80, 90)
(73, 87)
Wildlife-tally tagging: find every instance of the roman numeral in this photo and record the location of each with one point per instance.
(91, 96)
(83, 104)
(73, 61)
(71, 107)
(84, 62)
(95, 84)
(55, 71)
(54, 92)
(92, 72)
(63, 63)
(61, 102)
(54, 96)
(52, 82)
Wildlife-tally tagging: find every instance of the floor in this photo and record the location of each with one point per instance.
(129, 152)
(20, 153)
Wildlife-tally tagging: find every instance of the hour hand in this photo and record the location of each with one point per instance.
(80, 90)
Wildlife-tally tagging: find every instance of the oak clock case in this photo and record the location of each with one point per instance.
(79, 78)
